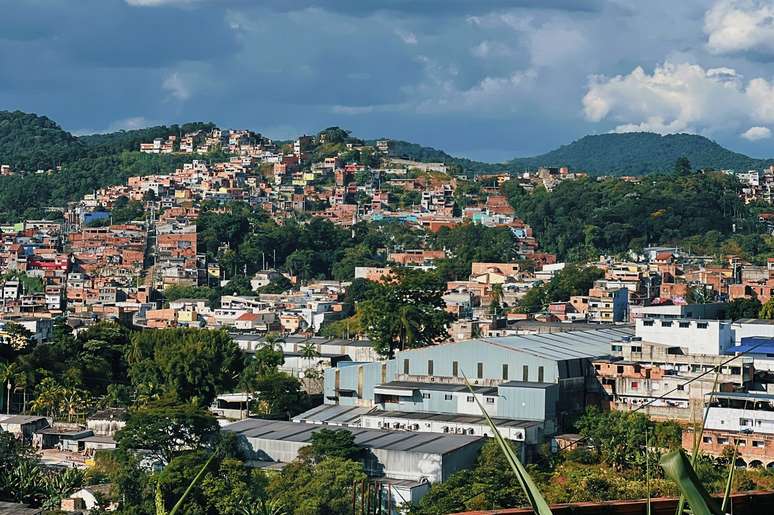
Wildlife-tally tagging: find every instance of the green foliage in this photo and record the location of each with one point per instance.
(23, 479)
(571, 280)
(405, 313)
(125, 210)
(325, 488)
(767, 310)
(30, 142)
(580, 219)
(190, 365)
(165, 430)
(467, 243)
(744, 308)
(639, 153)
(618, 437)
(338, 443)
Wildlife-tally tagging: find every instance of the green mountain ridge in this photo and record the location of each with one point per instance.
(632, 153)
(30, 142)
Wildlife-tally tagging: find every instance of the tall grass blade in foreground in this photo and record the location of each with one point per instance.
(535, 498)
(677, 468)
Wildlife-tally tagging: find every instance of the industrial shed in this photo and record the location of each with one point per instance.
(393, 454)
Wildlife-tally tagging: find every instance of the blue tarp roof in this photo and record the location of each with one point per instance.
(759, 344)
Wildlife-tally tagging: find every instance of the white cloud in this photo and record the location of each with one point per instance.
(679, 97)
(756, 133)
(177, 87)
(491, 95)
(408, 38)
(739, 26)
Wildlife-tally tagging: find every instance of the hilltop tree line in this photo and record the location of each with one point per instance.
(580, 219)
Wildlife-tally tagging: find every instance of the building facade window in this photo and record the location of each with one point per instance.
(405, 366)
(480, 370)
(447, 396)
(541, 374)
(429, 367)
(525, 373)
(455, 369)
(505, 371)
(490, 400)
(425, 395)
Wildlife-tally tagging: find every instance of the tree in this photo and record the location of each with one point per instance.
(309, 352)
(339, 443)
(187, 364)
(767, 310)
(683, 166)
(279, 395)
(8, 375)
(744, 308)
(407, 311)
(571, 280)
(489, 485)
(164, 430)
(233, 486)
(323, 488)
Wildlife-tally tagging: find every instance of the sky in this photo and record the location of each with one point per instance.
(484, 79)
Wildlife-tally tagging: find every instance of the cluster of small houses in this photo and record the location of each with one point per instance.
(634, 341)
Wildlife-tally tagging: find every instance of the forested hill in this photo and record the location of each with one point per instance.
(639, 153)
(634, 153)
(31, 142)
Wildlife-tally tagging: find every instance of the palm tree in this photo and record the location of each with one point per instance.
(309, 352)
(8, 374)
(274, 341)
(47, 398)
(22, 382)
(409, 325)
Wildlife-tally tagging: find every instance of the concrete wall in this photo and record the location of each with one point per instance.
(699, 336)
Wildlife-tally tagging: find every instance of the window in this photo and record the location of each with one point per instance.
(666, 323)
(722, 440)
(635, 385)
(425, 395)
(480, 370)
(648, 323)
(505, 371)
(525, 373)
(405, 366)
(470, 398)
(429, 367)
(702, 325)
(616, 348)
(636, 349)
(707, 439)
(540, 374)
(455, 368)
(760, 444)
(447, 396)
(740, 442)
(619, 369)
(745, 422)
(490, 400)
(685, 325)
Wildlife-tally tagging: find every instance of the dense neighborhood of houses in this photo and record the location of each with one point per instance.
(642, 337)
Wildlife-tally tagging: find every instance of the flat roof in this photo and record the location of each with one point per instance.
(441, 387)
(755, 396)
(405, 441)
(445, 417)
(527, 384)
(558, 346)
(333, 413)
(20, 419)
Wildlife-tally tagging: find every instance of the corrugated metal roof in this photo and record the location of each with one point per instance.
(432, 443)
(564, 345)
